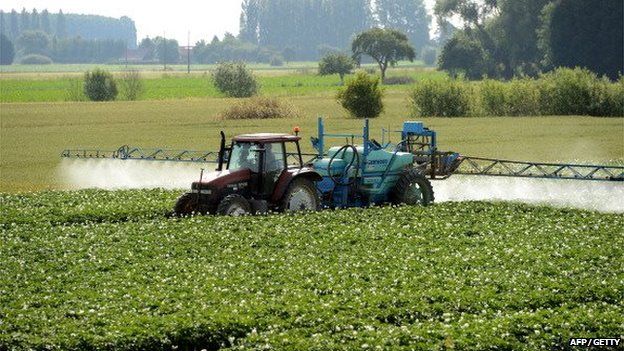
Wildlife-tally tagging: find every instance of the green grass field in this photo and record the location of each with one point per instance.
(51, 86)
(32, 135)
(106, 270)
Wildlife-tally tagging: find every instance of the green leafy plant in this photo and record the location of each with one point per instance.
(131, 85)
(100, 85)
(441, 98)
(362, 96)
(234, 79)
(334, 63)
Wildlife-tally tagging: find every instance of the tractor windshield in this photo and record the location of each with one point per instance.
(244, 155)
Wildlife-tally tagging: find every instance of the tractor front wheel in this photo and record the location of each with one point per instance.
(234, 205)
(412, 188)
(301, 195)
(186, 205)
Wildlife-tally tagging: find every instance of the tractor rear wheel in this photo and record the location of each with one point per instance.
(186, 205)
(412, 188)
(301, 195)
(234, 205)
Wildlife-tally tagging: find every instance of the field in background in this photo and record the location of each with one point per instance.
(48, 87)
(33, 135)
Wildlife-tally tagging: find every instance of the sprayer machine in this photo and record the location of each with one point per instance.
(257, 173)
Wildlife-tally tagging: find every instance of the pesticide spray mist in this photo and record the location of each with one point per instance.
(584, 194)
(128, 174)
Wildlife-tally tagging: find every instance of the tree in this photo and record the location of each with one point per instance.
(461, 54)
(45, 22)
(24, 20)
(289, 54)
(166, 50)
(14, 30)
(34, 42)
(35, 21)
(7, 50)
(336, 64)
(148, 45)
(385, 46)
(249, 21)
(584, 34)
(362, 96)
(61, 26)
(408, 16)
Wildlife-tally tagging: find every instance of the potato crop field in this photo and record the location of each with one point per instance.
(108, 270)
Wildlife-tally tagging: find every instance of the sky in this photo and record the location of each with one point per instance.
(204, 19)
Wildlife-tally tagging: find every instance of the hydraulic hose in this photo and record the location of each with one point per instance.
(346, 170)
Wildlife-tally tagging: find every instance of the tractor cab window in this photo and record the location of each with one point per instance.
(274, 157)
(244, 155)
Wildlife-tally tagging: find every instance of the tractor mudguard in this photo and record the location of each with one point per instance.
(287, 176)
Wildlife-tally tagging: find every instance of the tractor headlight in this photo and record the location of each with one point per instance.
(203, 191)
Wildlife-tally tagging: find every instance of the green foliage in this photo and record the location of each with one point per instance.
(441, 98)
(34, 42)
(106, 270)
(570, 36)
(385, 46)
(7, 50)
(100, 85)
(362, 96)
(34, 59)
(519, 97)
(166, 50)
(463, 56)
(260, 108)
(398, 80)
(131, 85)
(578, 91)
(334, 63)
(234, 79)
(75, 90)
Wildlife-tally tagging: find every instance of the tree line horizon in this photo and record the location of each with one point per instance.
(496, 39)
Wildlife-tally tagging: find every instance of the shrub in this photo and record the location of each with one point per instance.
(259, 108)
(567, 91)
(362, 96)
(447, 98)
(131, 85)
(398, 80)
(276, 61)
(234, 79)
(99, 85)
(523, 98)
(35, 59)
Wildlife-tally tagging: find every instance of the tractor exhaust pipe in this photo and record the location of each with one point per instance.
(221, 152)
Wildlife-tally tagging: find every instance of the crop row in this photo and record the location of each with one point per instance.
(457, 275)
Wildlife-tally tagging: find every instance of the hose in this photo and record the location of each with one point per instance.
(353, 160)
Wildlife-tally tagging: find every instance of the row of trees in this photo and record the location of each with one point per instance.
(309, 29)
(506, 38)
(60, 25)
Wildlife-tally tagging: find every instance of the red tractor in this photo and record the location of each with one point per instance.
(256, 174)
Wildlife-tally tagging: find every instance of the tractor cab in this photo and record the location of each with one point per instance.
(256, 173)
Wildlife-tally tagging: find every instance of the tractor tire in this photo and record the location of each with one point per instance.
(234, 205)
(412, 188)
(301, 195)
(186, 205)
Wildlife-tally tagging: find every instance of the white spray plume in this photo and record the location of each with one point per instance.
(603, 196)
(129, 174)
(583, 194)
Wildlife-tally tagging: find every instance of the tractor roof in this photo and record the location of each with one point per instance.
(265, 138)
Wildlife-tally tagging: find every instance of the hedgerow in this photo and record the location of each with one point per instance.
(563, 91)
(467, 276)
